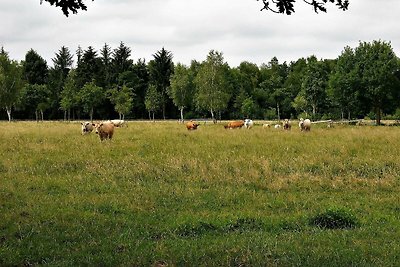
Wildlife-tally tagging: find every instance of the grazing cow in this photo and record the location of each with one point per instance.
(287, 125)
(234, 124)
(305, 125)
(87, 127)
(105, 130)
(266, 125)
(191, 125)
(277, 126)
(248, 123)
(118, 123)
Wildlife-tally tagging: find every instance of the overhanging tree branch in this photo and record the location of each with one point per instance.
(287, 6)
(68, 6)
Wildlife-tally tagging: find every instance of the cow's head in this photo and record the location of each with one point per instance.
(98, 126)
(87, 127)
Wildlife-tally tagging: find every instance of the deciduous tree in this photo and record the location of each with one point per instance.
(376, 67)
(152, 100)
(90, 97)
(212, 86)
(122, 99)
(10, 82)
(181, 90)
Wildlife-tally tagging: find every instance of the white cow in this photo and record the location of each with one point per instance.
(118, 123)
(305, 125)
(248, 123)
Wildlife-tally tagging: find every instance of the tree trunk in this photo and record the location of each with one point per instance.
(181, 109)
(37, 116)
(349, 115)
(91, 115)
(314, 110)
(163, 107)
(342, 112)
(277, 109)
(65, 115)
(8, 110)
(149, 115)
(378, 116)
(153, 117)
(41, 115)
(212, 116)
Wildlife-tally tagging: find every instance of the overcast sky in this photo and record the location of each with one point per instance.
(191, 28)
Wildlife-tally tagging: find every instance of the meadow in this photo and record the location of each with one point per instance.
(158, 194)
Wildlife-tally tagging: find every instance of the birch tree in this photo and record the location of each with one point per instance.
(10, 82)
(181, 90)
(212, 86)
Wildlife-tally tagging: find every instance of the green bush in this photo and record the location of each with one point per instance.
(335, 218)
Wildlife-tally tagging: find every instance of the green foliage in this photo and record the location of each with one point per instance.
(35, 69)
(181, 89)
(152, 100)
(89, 67)
(120, 60)
(335, 218)
(36, 99)
(69, 94)
(376, 66)
(315, 84)
(211, 83)
(122, 99)
(248, 107)
(91, 96)
(10, 82)
(161, 68)
(361, 80)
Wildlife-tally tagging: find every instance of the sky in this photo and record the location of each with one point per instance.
(189, 29)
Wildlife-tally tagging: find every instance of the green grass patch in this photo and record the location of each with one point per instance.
(211, 197)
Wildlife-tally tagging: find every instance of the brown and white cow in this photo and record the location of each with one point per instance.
(287, 125)
(105, 130)
(87, 127)
(191, 125)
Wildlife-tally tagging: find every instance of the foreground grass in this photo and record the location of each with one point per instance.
(210, 197)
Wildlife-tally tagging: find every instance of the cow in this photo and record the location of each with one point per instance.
(191, 125)
(234, 124)
(287, 125)
(266, 125)
(305, 125)
(118, 123)
(87, 127)
(105, 130)
(248, 123)
(277, 126)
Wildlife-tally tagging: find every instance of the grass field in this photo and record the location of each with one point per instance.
(213, 197)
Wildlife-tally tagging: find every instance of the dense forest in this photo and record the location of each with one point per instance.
(103, 84)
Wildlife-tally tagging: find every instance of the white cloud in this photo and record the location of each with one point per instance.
(190, 28)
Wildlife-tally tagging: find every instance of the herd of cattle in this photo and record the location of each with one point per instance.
(304, 125)
(105, 129)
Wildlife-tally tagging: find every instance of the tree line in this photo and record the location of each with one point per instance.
(361, 82)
